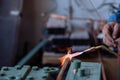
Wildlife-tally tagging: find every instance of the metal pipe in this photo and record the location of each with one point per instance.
(61, 73)
(32, 52)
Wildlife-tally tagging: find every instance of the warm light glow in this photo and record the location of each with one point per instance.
(58, 16)
(69, 55)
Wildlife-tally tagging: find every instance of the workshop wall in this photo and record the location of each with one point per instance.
(9, 20)
(17, 40)
(31, 26)
(86, 8)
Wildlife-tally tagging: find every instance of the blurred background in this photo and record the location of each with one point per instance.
(49, 27)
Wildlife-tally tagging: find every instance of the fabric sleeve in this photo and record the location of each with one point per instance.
(115, 17)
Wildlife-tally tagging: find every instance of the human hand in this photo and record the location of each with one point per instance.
(111, 33)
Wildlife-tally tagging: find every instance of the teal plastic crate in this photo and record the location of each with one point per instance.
(28, 73)
(84, 71)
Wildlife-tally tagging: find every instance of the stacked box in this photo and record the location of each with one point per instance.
(28, 73)
(14, 73)
(84, 71)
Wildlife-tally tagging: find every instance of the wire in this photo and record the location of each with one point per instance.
(95, 9)
(100, 6)
(53, 5)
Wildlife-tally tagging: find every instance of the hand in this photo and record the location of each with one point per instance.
(111, 33)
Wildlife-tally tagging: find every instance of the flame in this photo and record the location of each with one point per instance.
(68, 55)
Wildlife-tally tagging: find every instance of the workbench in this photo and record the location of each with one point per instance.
(109, 63)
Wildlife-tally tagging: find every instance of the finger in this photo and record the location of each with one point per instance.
(107, 38)
(118, 39)
(116, 31)
(107, 33)
(108, 42)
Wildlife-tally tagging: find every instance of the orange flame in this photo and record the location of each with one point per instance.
(68, 55)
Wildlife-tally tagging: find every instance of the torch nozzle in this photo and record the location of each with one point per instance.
(100, 47)
(90, 49)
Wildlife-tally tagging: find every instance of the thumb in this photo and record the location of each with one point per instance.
(115, 31)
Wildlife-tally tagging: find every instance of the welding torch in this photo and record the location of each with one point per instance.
(92, 49)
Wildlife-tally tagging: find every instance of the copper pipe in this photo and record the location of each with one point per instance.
(62, 17)
(61, 73)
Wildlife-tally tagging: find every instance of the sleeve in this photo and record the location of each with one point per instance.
(115, 17)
